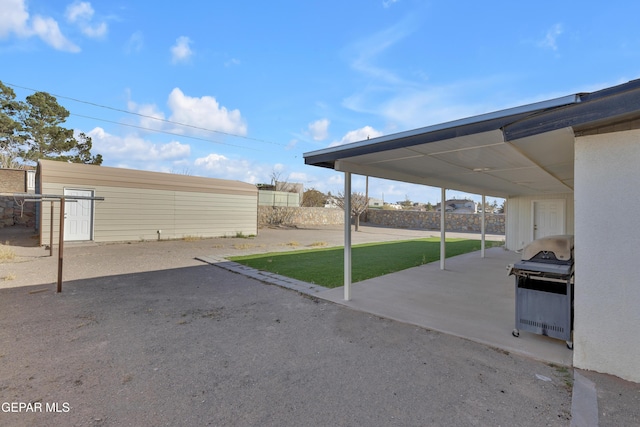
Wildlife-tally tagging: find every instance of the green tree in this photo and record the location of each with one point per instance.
(33, 130)
(10, 126)
(47, 139)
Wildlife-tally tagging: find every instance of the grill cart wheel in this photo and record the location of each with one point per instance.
(570, 345)
(515, 333)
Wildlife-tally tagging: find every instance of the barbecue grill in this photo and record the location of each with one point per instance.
(544, 288)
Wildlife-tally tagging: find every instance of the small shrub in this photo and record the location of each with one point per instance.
(318, 244)
(6, 254)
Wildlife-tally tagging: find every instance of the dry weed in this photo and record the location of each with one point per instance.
(318, 244)
(6, 254)
(243, 246)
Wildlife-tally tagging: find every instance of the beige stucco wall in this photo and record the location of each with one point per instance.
(519, 229)
(607, 297)
(139, 203)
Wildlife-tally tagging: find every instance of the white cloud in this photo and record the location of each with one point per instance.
(319, 129)
(205, 112)
(220, 166)
(550, 40)
(181, 51)
(135, 43)
(135, 148)
(49, 31)
(363, 54)
(15, 19)
(357, 135)
(292, 144)
(82, 14)
(411, 106)
(150, 116)
(231, 62)
(388, 3)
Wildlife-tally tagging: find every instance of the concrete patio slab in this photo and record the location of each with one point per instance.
(472, 298)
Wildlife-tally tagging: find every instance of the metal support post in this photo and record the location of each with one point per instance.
(443, 225)
(61, 244)
(347, 236)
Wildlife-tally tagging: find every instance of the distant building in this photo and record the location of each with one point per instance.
(376, 203)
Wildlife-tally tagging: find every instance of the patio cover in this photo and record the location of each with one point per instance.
(525, 150)
(518, 151)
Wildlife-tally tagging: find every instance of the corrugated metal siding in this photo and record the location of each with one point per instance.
(520, 218)
(131, 212)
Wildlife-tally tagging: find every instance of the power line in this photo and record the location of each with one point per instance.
(150, 117)
(163, 131)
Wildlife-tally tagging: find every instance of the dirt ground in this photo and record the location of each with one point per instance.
(145, 335)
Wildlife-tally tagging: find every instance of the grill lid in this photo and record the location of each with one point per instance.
(561, 246)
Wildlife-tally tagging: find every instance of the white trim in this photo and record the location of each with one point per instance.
(92, 213)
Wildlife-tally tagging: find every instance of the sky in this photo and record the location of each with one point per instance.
(242, 89)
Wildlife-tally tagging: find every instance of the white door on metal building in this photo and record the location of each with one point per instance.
(78, 222)
(548, 218)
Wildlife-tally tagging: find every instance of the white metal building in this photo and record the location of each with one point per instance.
(140, 205)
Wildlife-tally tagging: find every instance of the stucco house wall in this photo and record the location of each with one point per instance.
(607, 297)
(139, 203)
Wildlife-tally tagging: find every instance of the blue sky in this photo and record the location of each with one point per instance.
(240, 90)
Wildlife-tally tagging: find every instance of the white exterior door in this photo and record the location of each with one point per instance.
(548, 218)
(78, 216)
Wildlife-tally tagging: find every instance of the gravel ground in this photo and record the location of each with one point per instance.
(144, 335)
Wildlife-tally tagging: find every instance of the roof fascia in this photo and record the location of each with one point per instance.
(616, 104)
(468, 126)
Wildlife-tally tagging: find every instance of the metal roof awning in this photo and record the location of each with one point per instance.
(519, 151)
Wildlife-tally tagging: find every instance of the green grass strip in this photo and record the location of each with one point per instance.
(326, 266)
